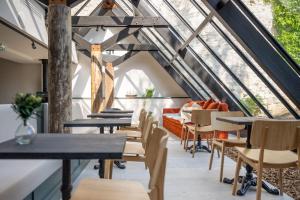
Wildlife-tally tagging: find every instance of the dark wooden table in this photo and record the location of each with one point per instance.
(110, 115)
(248, 180)
(101, 123)
(117, 111)
(66, 147)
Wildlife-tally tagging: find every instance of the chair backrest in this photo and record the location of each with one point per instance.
(156, 158)
(147, 129)
(142, 118)
(224, 126)
(201, 117)
(276, 135)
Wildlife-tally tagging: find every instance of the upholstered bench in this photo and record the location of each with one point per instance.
(20, 177)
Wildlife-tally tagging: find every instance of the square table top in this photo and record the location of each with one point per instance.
(239, 120)
(110, 115)
(66, 146)
(98, 122)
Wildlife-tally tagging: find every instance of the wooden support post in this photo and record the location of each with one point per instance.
(96, 79)
(59, 65)
(59, 77)
(109, 85)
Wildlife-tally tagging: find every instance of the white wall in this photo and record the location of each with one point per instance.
(136, 74)
(16, 77)
(141, 72)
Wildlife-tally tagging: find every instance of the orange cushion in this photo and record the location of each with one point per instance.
(223, 107)
(206, 104)
(213, 105)
(200, 103)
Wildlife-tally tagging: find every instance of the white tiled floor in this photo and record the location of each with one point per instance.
(186, 177)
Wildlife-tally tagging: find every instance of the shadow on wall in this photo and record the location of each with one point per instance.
(142, 72)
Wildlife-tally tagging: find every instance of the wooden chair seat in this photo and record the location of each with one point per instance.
(103, 189)
(271, 158)
(202, 129)
(130, 133)
(134, 148)
(230, 142)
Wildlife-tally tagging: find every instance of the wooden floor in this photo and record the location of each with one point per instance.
(187, 177)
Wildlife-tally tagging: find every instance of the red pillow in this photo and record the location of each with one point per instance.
(223, 107)
(213, 105)
(200, 103)
(206, 104)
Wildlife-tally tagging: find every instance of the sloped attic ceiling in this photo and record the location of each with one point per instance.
(187, 48)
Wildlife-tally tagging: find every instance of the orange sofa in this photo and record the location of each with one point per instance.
(172, 120)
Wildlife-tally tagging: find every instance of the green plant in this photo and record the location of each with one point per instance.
(286, 15)
(25, 105)
(149, 92)
(249, 103)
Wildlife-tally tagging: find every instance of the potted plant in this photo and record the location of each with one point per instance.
(25, 105)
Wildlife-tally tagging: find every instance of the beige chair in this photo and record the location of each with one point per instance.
(135, 151)
(104, 189)
(221, 144)
(201, 120)
(134, 133)
(272, 142)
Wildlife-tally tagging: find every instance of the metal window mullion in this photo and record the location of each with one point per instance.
(249, 63)
(235, 77)
(194, 34)
(242, 106)
(218, 59)
(165, 57)
(268, 36)
(227, 91)
(178, 62)
(207, 93)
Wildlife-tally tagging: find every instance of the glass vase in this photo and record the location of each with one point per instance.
(24, 133)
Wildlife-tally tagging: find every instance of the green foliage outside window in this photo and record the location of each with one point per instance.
(251, 105)
(286, 15)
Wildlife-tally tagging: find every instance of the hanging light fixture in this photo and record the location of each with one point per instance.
(2, 47)
(33, 45)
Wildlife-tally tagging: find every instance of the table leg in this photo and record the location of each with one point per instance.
(101, 168)
(66, 187)
(199, 146)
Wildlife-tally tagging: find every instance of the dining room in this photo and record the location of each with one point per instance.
(147, 100)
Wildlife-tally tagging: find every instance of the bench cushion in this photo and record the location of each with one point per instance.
(20, 177)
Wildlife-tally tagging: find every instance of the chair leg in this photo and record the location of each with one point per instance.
(218, 151)
(181, 136)
(211, 156)
(259, 182)
(222, 161)
(280, 182)
(237, 173)
(194, 145)
(187, 140)
(208, 143)
(185, 136)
